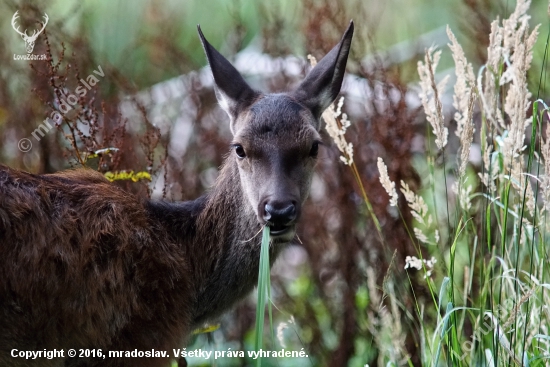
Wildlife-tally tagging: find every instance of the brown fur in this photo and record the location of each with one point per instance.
(85, 264)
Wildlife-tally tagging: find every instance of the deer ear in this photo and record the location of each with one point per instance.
(233, 93)
(322, 85)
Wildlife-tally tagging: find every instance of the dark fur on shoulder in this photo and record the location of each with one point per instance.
(84, 265)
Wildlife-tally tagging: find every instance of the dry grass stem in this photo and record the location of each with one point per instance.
(429, 95)
(388, 184)
(465, 83)
(419, 211)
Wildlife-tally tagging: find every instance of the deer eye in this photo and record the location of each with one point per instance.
(314, 149)
(239, 150)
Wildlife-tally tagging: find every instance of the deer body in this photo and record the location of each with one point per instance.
(86, 265)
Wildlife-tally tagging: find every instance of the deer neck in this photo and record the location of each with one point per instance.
(220, 238)
(226, 247)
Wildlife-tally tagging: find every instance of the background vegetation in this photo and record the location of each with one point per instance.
(351, 292)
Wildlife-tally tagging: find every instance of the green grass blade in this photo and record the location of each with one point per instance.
(263, 293)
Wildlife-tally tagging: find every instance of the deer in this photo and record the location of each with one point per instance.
(85, 264)
(29, 40)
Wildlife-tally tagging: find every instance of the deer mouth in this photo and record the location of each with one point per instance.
(279, 229)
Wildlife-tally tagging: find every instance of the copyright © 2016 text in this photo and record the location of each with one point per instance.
(177, 353)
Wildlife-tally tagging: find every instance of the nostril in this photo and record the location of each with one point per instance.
(268, 209)
(291, 211)
(279, 215)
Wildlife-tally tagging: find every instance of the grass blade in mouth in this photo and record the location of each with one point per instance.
(264, 285)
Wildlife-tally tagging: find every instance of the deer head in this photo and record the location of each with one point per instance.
(29, 40)
(276, 136)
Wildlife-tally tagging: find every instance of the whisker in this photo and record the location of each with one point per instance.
(257, 233)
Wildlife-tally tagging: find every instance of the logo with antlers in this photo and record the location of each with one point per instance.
(29, 40)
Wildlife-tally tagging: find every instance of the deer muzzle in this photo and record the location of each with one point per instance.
(280, 216)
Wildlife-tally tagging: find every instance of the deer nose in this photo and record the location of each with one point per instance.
(279, 214)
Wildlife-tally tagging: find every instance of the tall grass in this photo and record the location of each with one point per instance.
(491, 243)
